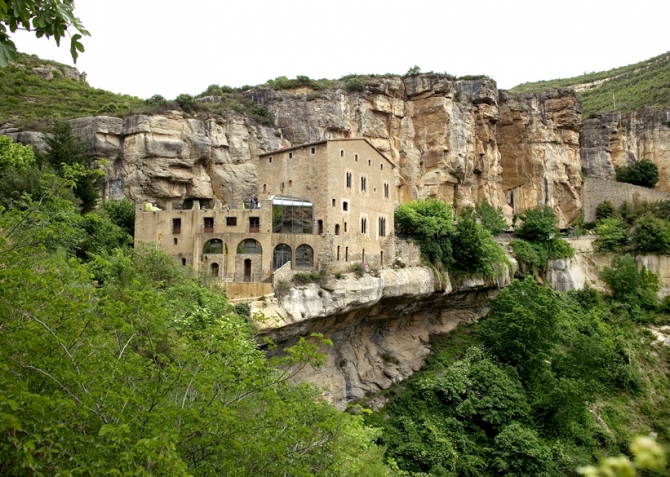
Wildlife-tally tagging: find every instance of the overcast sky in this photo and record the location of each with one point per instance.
(146, 47)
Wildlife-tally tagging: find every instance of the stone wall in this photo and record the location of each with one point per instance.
(598, 190)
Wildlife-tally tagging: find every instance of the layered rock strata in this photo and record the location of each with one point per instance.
(616, 139)
(380, 325)
(458, 140)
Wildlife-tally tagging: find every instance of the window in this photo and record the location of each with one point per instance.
(333, 202)
(231, 221)
(290, 183)
(282, 186)
(337, 229)
(270, 159)
(386, 191)
(381, 258)
(320, 226)
(254, 224)
(281, 256)
(265, 187)
(341, 152)
(338, 253)
(313, 151)
(215, 269)
(213, 246)
(382, 226)
(209, 225)
(345, 226)
(348, 180)
(369, 162)
(355, 157)
(304, 256)
(249, 246)
(381, 167)
(364, 225)
(292, 216)
(345, 206)
(346, 254)
(183, 262)
(176, 226)
(364, 184)
(175, 240)
(290, 155)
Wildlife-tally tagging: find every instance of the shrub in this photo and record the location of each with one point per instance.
(651, 235)
(243, 309)
(533, 256)
(353, 85)
(492, 219)
(430, 221)
(612, 235)
(474, 250)
(630, 285)
(643, 173)
(359, 269)
(309, 277)
(413, 71)
(282, 287)
(604, 210)
(121, 213)
(185, 102)
(538, 224)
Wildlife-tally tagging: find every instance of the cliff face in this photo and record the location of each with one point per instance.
(616, 139)
(452, 139)
(380, 325)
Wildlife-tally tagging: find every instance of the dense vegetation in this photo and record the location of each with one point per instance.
(546, 383)
(466, 248)
(538, 241)
(117, 361)
(643, 173)
(626, 89)
(639, 227)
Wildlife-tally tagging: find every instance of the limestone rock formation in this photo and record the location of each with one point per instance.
(380, 325)
(616, 139)
(459, 140)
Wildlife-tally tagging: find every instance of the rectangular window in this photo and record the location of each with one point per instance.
(292, 216)
(176, 226)
(363, 184)
(209, 225)
(382, 227)
(231, 221)
(345, 206)
(386, 191)
(254, 224)
(364, 225)
(290, 155)
(348, 181)
(313, 150)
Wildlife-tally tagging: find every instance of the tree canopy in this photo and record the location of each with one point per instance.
(46, 18)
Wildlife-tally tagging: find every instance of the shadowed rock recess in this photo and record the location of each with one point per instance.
(457, 140)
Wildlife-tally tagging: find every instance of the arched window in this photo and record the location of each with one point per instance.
(215, 269)
(249, 246)
(281, 255)
(337, 229)
(304, 256)
(213, 246)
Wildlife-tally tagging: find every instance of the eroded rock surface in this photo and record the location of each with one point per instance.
(380, 325)
(616, 139)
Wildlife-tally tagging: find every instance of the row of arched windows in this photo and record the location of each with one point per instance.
(304, 254)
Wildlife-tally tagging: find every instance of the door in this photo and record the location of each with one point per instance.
(247, 270)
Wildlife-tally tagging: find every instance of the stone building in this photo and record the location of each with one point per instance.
(317, 204)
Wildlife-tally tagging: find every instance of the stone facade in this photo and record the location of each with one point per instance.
(342, 221)
(599, 190)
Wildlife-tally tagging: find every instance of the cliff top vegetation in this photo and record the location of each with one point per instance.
(624, 89)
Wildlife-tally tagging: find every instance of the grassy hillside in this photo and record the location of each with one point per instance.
(27, 100)
(625, 89)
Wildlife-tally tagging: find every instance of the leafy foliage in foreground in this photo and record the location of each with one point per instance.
(642, 173)
(546, 383)
(113, 361)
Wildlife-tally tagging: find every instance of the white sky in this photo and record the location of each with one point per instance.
(146, 47)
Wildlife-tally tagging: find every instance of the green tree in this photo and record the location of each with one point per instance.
(430, 221)
(519, 452)
(521, 327)
(643, 173)
(604, 210)
(651, 235)
(64, 147)
(612, 235)
(492, 219)
(121, 213)
(49, 18)
(474, 250)
(15, 155)
(630, 285)
(538, 224)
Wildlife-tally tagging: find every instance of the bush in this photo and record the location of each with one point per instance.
(538, 224)
(630, 285)
(185, 102)
(121, 213)
(533, 256)
(612, 235)
(243, 310)
(309, 277)
(643, 173)
(430, 221)
(492, 219)
(359, 269)
(651, 235)
(474, 250)
(604, 210)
